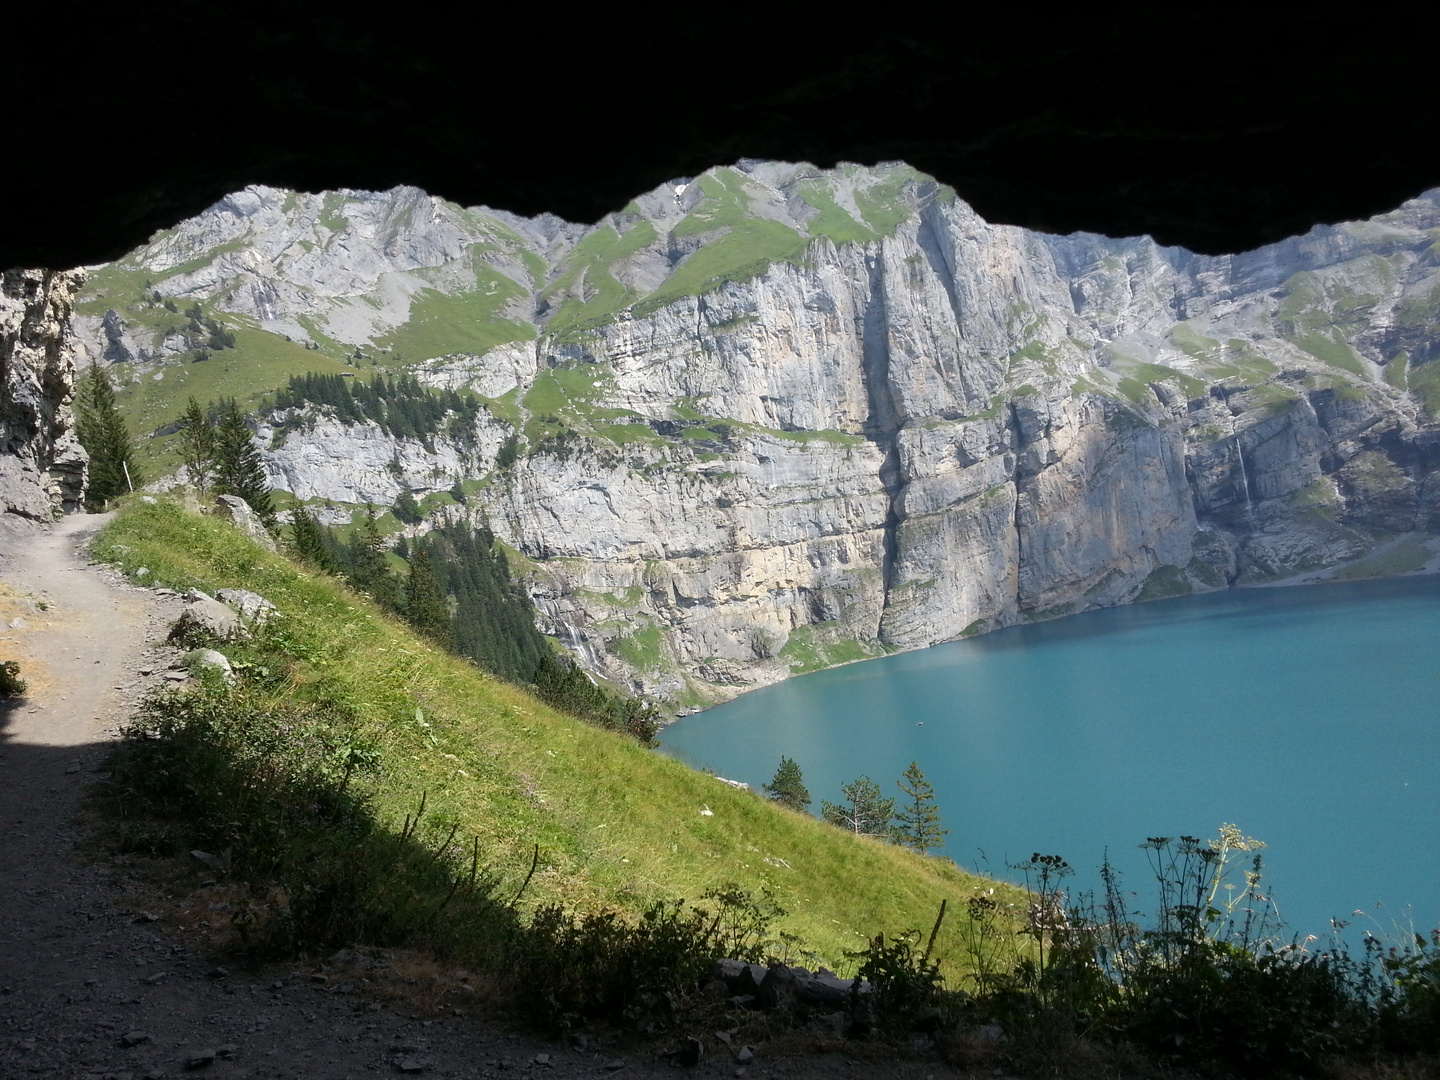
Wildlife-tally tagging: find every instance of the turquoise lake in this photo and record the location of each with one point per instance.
(1308, 716)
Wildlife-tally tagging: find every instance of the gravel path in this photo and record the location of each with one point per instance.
(94, 984)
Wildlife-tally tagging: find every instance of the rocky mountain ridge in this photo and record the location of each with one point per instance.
(776, 418)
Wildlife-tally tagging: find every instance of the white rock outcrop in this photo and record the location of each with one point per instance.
(934, 428)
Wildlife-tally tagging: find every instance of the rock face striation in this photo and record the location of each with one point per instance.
(42, 466)
(777, 418)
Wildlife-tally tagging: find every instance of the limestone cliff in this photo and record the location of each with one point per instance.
(42, 466)
(777, 418)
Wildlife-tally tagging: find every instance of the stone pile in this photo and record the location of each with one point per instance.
(828, 1002)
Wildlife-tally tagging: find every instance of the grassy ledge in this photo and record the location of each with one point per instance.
(618, 827)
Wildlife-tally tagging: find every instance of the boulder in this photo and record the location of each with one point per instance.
(751, 979)
(823, 988)
(729, 970)
(205, 618)
(245, 519)
(779, 988)
(199, 660)
(254, 609)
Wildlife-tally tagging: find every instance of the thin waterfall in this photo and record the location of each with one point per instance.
(583, 649)
(1244, 483)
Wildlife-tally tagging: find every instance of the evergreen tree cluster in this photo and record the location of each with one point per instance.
(494, 619)
(460, 593)
(400, 406)
(106, 438)
(204, 330)
(866, 810)
(220, 454)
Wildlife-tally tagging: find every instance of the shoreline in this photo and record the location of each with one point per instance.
(1326, 576)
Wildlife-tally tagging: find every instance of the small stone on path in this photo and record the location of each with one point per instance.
(200, 1059)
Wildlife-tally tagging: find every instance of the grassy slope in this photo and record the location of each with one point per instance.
(470, 321)
(259, 363)
(745, 249)
(616, 824)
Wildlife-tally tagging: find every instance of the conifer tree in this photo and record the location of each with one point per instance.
(406, 508)
(425, 606)
(788, 787)
(865, 811)
(307, 540)
(102, 432)
(197, 445)
(371, 572)
(238, 468)
(917, 825)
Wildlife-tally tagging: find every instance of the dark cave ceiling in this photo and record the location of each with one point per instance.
(1218, 134)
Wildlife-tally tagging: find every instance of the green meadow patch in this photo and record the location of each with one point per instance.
(615, 825)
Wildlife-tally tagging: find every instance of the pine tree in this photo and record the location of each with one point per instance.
(307, 540)
(238, 467)
(917, 825)
(102, 432)
(406, 509)
(788, 787)
(425, 605)
(371, 573)
(197, 445)
(865, 812)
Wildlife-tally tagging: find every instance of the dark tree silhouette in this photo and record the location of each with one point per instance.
(238, 467)
(788, 787)
(917, 825)
(425, 606)
(197, 445)
(102, 432)
(308, 541)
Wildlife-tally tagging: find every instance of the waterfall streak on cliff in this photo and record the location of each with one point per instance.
(1245, 483)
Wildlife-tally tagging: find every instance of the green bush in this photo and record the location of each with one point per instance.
(11, 685)
(1257, 1012)
(1409, 1002)
(904, 980)
(601, 966)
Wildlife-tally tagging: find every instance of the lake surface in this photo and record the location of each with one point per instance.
(1308, 716)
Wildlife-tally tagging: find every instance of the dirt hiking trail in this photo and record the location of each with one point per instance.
(95, 985)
